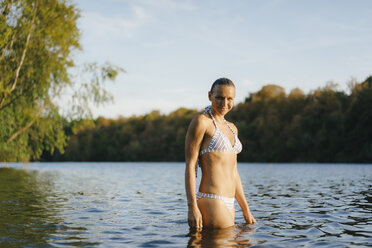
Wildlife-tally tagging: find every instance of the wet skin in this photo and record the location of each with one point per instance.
(219, 169)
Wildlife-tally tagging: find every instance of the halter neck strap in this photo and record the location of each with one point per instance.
(214, 120)
(229, 126)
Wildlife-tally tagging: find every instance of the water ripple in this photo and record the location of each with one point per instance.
(143, 205)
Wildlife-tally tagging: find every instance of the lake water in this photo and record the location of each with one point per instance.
(143, 205)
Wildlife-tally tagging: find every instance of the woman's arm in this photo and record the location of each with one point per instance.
(240, 197)
(194, 137)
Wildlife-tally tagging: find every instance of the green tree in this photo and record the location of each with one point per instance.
(358, 123)
(151, 137)
(268, 92)
(324, 125)
(36, 44)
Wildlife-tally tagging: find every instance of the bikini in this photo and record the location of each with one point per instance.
(220, 143)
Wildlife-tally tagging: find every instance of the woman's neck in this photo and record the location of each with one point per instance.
(218, 117)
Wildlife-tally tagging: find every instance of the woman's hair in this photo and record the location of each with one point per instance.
(222, 81)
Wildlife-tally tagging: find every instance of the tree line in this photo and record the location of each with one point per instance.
(38, 75)
(325, 125)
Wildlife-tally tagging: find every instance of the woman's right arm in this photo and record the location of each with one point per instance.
(194, 137)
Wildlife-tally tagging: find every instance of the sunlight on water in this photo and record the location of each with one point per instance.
(143, 205)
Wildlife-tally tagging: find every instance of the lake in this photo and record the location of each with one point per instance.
(144, 205)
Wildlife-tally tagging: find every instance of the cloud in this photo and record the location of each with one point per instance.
(169, 4)
(248, 83)
(95, 24)
(250, 86)
(157, 44)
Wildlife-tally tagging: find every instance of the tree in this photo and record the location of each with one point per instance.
(296, 93)
(358, 123)
(269, 91)
(36, 44)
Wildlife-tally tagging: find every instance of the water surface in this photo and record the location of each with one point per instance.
(143, 205)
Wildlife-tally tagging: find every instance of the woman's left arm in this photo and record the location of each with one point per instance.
(240, 197)
(239, 192)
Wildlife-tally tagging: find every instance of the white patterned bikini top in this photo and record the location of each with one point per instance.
(219, 141)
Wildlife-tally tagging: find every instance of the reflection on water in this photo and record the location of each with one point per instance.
(313, 204)
(26, 215)
(29, 211)
(144, 205)
(236, 236)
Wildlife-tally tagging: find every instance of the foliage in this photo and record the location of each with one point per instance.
(37, 40)
(151, 137)
(36, 44)
(325, 125)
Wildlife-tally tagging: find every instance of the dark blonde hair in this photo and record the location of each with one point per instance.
(222, 81)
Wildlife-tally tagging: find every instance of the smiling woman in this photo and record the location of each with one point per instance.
(212, 142)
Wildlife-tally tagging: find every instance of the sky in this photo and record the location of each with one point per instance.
(173, 50)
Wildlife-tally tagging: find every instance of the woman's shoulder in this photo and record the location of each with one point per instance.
(201, 120)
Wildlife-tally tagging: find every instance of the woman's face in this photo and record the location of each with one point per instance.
(222, 98)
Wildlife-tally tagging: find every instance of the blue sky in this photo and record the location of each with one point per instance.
(173, 50)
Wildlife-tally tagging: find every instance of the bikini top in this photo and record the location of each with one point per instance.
(219, 141)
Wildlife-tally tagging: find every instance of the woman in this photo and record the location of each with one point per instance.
(212, 142)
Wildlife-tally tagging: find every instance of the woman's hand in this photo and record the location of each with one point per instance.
(249, 218)
(195, 217)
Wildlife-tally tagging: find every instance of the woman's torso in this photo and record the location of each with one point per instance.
(218, 161)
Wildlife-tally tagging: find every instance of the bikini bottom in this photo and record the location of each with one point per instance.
(229, 202)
